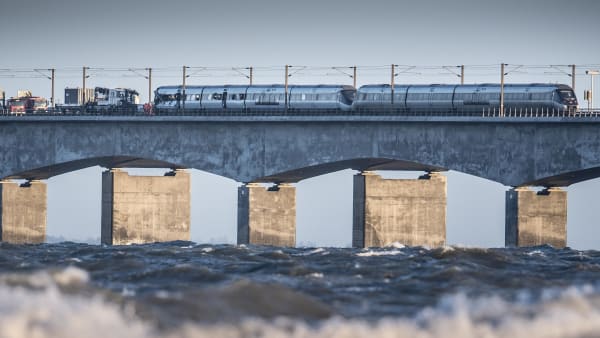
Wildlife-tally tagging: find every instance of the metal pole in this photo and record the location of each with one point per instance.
(502, 89)
(286, 84)
(462, 74)
(251, 75)
(392, 82)
(183, 90)
(52, 98)
(150, 85)
(83, 90)
(354, 76)
(573, 77)
(592, 92)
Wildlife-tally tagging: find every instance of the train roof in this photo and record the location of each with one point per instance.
(336, 86)
(375, 87)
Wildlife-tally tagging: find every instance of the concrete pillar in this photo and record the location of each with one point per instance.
(145, 209)
(267, 216)
(536, 218)
(408, 211)
(23, 212)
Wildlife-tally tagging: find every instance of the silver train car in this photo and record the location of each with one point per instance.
(464, 99)
(257, 98)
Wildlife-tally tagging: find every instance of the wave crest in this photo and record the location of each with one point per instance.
(48, 312)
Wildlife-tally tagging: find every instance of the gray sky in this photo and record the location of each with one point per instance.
(68, 34)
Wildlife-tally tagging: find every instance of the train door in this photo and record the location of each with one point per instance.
(476, 102)
(224, 99)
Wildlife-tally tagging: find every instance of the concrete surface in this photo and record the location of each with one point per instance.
(534, 218)
(145, 209)
(267, 217)
(23, 212)
(512, 151)
(409, 211)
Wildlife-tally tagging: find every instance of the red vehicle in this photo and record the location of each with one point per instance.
(26, 105)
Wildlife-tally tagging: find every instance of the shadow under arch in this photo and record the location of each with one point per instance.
(566, 179)
(361, 164)
(46, 172)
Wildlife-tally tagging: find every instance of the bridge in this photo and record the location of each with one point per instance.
(519, 152)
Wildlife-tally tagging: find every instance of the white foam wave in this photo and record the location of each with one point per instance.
(573, 314)
(48, 313)
(313, 252)
(370, 253)
(397, 245)
(538, 253)
(71, 276)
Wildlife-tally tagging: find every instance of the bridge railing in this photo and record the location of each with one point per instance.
(540, 112)
(486, 112)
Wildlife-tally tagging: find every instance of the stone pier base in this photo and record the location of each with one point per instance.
(145, 209)
(267, 216)
(408, 211)
(536, 218)
(23, 212)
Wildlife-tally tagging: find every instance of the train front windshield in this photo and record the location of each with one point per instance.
(568, 97)
(166, 98)
(566, 94)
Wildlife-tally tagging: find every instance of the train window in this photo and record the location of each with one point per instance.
(217, 96)
(303, 97)
(242, 96)
(233, 97)
(566, 94)
(197, 97)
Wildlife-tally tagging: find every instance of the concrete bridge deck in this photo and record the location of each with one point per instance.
(514, 151)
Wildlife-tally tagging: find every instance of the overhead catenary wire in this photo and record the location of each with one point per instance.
(367, 73)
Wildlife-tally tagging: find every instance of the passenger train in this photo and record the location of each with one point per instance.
(403, 99)
(255, 98)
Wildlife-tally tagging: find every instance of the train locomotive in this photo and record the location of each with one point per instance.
(100, 100)
(473, 99)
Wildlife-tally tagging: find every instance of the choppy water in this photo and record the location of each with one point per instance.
(181, 289)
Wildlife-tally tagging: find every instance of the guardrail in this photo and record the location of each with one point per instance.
(488, 112)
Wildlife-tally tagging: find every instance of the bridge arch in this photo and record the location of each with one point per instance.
(49, 171)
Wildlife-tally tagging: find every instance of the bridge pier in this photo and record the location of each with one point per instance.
(23, 212)
(145, 209)
(267, 216)
(536, 218)
(411, 212)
